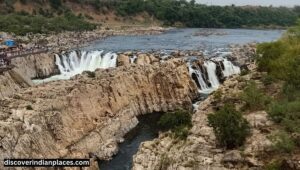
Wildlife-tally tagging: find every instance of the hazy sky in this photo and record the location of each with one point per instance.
(252, 2)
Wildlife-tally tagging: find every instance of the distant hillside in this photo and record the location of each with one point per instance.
(135, 12)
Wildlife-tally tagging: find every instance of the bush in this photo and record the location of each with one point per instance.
(230, 128)
(178, 122)
(282, 143)
(254, 98)
(274, 165)
(291, 92)
(287, 114)
(267, 80)
(29, 107)
(181, 132)
(245, 72)
(217, 95)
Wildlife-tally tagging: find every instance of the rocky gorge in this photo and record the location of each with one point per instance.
(77, 118)
(88, 114)
(68, 127)
(200, 150)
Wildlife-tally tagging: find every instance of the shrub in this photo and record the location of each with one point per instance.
(287, 114)
(277, 112)
(181, 132)
(274, 165)
(244, 72)
(178, 122)
(217, 95)
(29, 107)
(267, 80)
(253, 97)
(282, 143)
(291, 92)
(230, 128)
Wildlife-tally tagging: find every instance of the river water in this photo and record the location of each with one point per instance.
(177, 39)
(101, 53)
(186, 39)
(147, 129)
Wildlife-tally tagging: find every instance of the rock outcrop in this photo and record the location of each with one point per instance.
(89, 114)
(12, 81)
(36, 66)
(200, 150)
(24, 69)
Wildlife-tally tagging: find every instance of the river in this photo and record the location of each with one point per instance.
(186, 39)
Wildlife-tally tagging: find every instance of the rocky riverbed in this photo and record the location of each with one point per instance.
(69, 40)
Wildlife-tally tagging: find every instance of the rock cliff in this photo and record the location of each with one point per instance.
(36, 66)
(200, 150)
(89, 114)
(12, 81)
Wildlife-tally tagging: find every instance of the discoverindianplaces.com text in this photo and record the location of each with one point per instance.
(46, 162)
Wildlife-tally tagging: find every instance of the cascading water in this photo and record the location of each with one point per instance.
(197, 75)
(72, 64)
(230, 69)
(132, 59)
(211, 70)
(199, 78)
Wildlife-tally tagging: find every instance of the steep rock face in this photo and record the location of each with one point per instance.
(37, 65)
(90, 114)
(200, 150)
(12, 81)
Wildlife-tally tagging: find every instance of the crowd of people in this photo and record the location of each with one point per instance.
(6, 54)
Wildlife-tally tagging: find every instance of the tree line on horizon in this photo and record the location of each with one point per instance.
(191, 14)
(56, 16)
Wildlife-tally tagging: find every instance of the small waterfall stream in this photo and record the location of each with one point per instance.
(213, 79)
(76, 62)
(229, 68)
(211, 68)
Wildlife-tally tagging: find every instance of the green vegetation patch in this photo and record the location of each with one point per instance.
(281, 61)
(179, 122)
(230, 128)
(254, 98)
(23, 24)
(192, 14)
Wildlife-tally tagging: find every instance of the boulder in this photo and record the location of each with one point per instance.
(123, 60)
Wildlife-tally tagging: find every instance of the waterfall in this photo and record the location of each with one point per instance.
(211, 69)
(73, 63)
(133, 59)
(199, 78)
(229, 68)
(212, 76)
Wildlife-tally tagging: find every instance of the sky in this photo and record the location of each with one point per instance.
(289, 3)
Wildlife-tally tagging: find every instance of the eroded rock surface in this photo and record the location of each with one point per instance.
(200, 150)
(89, 114)
(36, 66)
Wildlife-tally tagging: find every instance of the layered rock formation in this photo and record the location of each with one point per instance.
(24, 69)
(36, 66)
(89, 114)
(12, 81)
(200, 150)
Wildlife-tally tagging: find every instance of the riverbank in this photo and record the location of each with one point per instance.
(71, 40)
